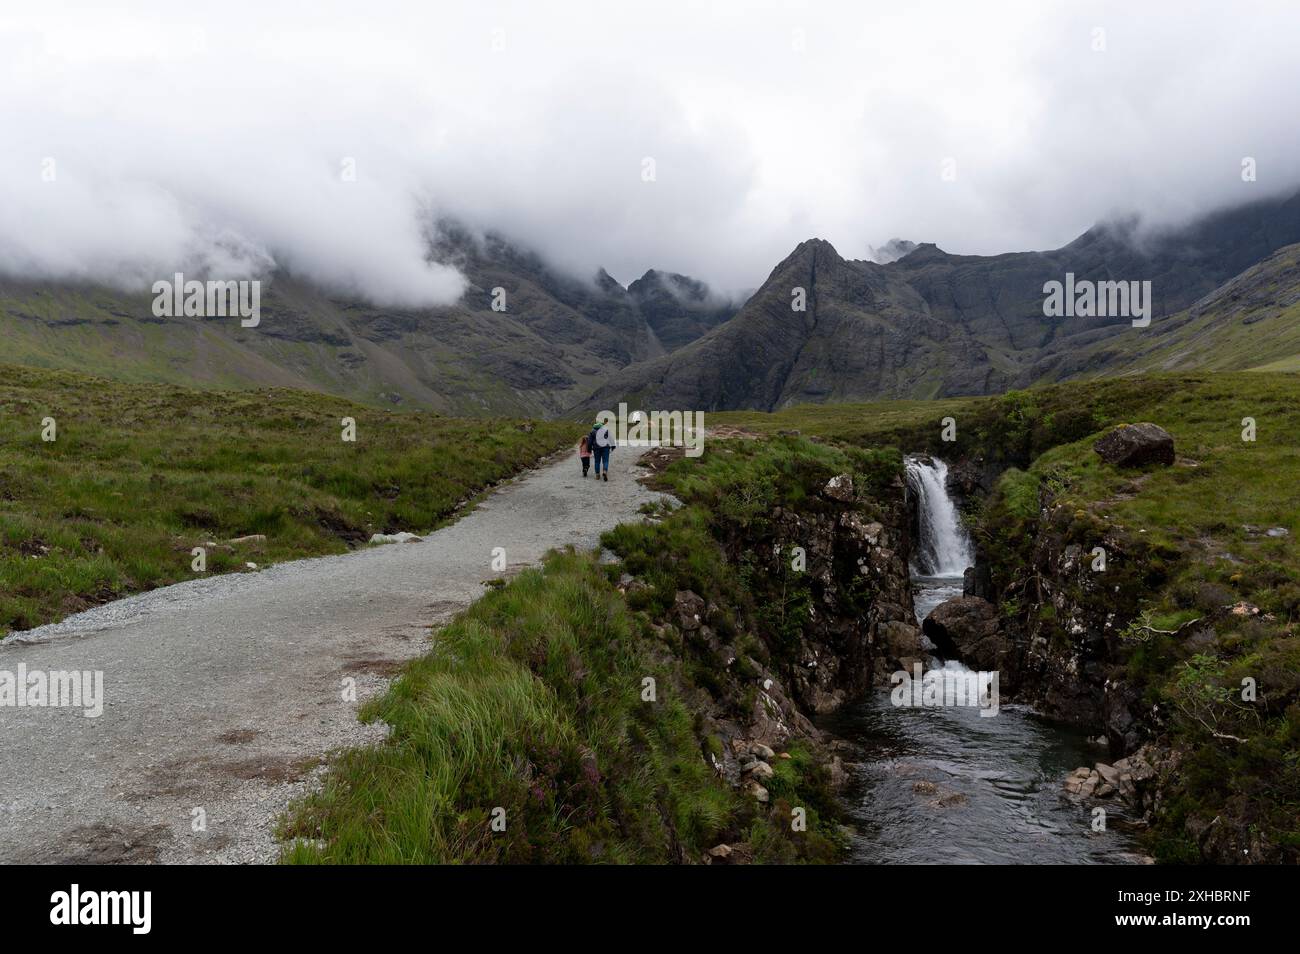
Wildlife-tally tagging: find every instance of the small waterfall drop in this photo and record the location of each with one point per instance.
(1005, 771)
(942, 547)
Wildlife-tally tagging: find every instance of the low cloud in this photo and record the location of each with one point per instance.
(224, 138)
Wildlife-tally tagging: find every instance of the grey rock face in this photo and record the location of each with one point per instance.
(933, 324)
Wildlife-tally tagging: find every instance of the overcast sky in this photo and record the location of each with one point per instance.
(215, 136)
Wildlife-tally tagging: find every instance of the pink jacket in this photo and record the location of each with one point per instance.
(583, 449)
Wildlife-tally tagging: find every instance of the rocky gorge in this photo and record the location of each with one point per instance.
(1053, 622)
(1109, 634)
(808, 607)
(821, 612)
(1061, 602)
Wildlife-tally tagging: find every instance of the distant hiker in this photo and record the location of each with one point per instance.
(584, 453)
(601, 442)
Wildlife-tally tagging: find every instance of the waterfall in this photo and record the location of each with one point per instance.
(942, 547)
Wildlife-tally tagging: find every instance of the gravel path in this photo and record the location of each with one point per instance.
(222, 695)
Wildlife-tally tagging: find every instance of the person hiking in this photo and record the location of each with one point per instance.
(584, 453)
(601, 442)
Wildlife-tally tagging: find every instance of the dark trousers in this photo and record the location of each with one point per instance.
(602, 459)
(586, 464)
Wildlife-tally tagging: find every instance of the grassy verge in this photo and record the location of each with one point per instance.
(530, 710)
(137, 475)
(1011, 428)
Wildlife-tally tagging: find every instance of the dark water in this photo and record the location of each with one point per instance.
(929, 591)
(949, 786)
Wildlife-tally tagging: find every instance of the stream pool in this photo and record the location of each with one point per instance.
(949, 786)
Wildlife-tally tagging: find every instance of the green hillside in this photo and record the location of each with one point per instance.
(1250, 323)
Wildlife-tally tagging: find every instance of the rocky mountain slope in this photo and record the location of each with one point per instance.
(1251, 322)
(933, 324)
(678, 309)
(924, 324)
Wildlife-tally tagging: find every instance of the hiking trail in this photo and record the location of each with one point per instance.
(223, 695)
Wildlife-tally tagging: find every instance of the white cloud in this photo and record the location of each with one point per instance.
(216, 135)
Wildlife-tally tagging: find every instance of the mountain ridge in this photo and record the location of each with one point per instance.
(933, 324)
(925, 324)
(557, 336)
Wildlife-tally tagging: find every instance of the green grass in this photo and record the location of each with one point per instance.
(532, 704)
(140, 474)
(530, 701)
(1011, 428)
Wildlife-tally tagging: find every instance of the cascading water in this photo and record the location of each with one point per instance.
(945, 784)
(942, 550)
(942, 547)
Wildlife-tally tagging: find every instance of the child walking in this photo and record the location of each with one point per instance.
(584, 453)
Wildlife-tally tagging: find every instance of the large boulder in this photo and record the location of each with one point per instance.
(901, 643)
(1136, 445)
(967, 628)
(1122, 716)
(968, 476)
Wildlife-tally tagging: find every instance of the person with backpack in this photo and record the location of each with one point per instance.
(584, 453)
(601, 442)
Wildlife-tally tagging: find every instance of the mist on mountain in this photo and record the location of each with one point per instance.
(610, 139)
